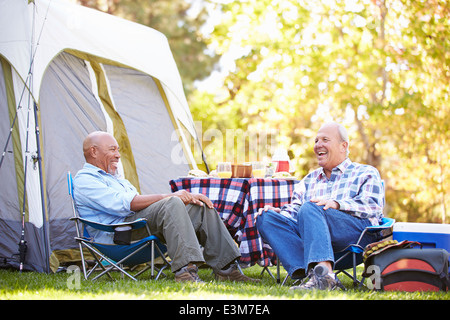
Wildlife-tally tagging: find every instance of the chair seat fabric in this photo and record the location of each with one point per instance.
(118, 252)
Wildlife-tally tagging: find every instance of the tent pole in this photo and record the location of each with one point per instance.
(203, 156)
(41, 185)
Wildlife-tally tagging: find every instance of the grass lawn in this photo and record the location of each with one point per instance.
(60, 286)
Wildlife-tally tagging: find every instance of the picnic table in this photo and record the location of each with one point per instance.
(237, 200)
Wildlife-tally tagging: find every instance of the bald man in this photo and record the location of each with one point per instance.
(330, 208)
(182, 220)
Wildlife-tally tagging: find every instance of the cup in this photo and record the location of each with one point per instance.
(258, 169)
(122, 235)
(224, 169)
(282, 166)
(281, 159)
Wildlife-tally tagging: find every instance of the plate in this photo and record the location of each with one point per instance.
(192, 177)
(285, 178)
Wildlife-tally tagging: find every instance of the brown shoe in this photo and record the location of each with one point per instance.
(188, 273)
(233, 274)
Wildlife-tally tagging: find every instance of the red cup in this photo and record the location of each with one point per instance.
(282, 166)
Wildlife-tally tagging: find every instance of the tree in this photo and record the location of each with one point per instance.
(380, 67)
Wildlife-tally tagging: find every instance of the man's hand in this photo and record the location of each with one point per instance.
(326, 203)
(266, 208)
(198, 199)
(185, 196)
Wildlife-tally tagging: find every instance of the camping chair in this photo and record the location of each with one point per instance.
(351, 256)
(114, 257)
(355, 251)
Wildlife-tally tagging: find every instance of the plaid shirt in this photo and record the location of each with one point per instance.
(356, 187)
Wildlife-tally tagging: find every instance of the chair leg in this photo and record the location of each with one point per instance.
(110, 268)
(355, 281)
(153, 260)
(83, 263)
(98, 262)
(152, 263)
(99, 257)
(361, 283)
(278, 271)
(113, 264)
(266, 269)
(238, 266)
(166, 263)
(285, 279)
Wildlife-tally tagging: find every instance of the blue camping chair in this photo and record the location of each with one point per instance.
(114, 257)
(351, 256)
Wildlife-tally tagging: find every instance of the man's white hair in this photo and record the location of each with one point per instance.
(344, 136)
(342, 132)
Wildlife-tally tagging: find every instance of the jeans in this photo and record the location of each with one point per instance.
(315, 237)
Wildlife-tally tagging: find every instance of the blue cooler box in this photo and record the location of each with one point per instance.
(430, 235)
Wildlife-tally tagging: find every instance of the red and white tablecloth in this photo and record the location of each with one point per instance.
(237, 201)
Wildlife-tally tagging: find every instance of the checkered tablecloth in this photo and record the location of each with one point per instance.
(275, 193)
(237, 201)
(227, 195)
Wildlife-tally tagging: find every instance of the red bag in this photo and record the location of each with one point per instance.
(398, 267)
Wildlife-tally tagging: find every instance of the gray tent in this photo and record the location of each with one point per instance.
(65, 71)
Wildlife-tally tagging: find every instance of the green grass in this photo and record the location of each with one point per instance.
(29, 285)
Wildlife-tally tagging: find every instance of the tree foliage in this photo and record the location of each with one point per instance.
(380, 67)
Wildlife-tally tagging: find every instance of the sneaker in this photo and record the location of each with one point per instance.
(233, 274)
(318, 278)
(188, 273)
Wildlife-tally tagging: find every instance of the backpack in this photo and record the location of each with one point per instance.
(399, 266)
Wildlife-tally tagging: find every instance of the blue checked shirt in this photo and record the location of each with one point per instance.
(356, 187)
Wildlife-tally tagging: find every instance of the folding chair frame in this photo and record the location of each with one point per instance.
(101, 257)
(356, 249)
(266, 269)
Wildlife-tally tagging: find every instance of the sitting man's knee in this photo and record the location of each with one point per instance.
(309, 209)
(175, 201)
(173, 205)
(308, 206)
(266, 219)
(260, 221)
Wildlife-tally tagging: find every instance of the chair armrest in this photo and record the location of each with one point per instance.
(386, 224)
(376, 228)
(136, 224)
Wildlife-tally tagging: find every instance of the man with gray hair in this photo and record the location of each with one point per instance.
(188, 223)
(330, 208)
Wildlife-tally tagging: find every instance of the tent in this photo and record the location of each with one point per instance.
(65, 71)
